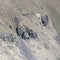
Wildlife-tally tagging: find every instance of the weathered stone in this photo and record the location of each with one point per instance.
(10, 38)
(22, 33)
(17, 20)
(31, 33)
(19, 31)
(44, 20)
(25, 14)
(10, 26)
(7, 37)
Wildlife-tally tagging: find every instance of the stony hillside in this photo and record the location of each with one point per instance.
(27, 31)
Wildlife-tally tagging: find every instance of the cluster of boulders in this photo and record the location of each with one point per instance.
(20, 32)
(7, 36)
(31, 33)
(26, 34)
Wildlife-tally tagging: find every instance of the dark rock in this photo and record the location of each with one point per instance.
(28, 14)
(44, 20)
(41, 7)
(25, 14)
(22, 33)
(17, 20)
(10, 38)
(19, 31)
(2, 36)
(57, 38)
(7, 37)
(31, 33)
(10, 26)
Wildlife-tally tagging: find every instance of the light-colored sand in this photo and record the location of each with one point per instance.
(45, 46)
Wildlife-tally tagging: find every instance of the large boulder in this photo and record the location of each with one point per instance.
(31, 33)
(20, 32)
(44, 20)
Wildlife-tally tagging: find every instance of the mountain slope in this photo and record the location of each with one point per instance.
(27, 31)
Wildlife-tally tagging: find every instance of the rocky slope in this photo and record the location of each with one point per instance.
(27, 31)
